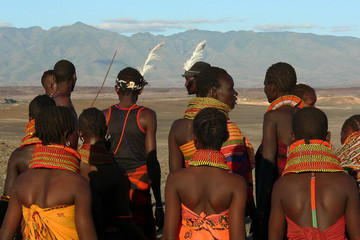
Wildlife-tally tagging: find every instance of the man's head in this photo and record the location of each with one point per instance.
(65, 72)
(350, 126)
(38, 103)
(310, 123)
(92, 123)
(210, 129)
(48, 82)
(306, 93)
(191, 75)
(56, 125)
(129, 81)
(216, 83)
(280, 79)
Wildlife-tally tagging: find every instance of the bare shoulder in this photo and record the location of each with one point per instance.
(180, 124)
(147, 114)
(236, 180)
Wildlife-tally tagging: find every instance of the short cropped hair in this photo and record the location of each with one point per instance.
(283, 76)
(209, 78)
(38, 103)
(64, 71)
(53, 123)
(301, 90)
(210, 128)
(352, 122)
(310, 123)
(92, 123)
(46, 73)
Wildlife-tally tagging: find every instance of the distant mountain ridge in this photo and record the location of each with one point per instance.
(321, 61)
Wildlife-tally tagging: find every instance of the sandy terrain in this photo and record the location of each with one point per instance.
(338, 104)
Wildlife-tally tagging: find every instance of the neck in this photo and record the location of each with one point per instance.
(65, 88)
(127, 100)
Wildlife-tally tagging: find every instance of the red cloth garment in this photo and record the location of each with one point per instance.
(334, 232)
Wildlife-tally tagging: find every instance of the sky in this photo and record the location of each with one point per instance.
(322, 17)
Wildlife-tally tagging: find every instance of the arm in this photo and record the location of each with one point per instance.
(83, 216)
(352, 210)
(148, 120)
(12, 217)
(176, 158)
(277, 217)
(237, 210)
(173, 209)
(267, 173)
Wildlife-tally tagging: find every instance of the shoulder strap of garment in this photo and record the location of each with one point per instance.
(109, 115)
(313, 201)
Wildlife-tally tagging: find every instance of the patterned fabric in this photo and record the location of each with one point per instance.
(49, 223)
(140, 200)
(55, 157)
(194, 226)
(349, 154)
(316, 156)
(198, 103)
(188, 149)
(209, 158)
(291, 100)
(5, 198)
(334, 232)
(95, 154)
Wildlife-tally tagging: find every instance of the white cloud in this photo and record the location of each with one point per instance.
(283, 27)
(341, 29)
(5, 24)
(130, 25)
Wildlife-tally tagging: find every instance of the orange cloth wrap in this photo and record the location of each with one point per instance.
(49, 223)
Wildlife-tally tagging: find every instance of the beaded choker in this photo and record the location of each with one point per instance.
(198, 103)
(289, 100)
(55, 157)
(29, 136)
(316, 156)
(349, 152)
(57, 93)
(209, 158)
(95, 154)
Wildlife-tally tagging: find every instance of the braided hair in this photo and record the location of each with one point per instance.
(210, 128)
(38, 103)
(92, 123)
(209, 78)
(283, 76)
(53, 122)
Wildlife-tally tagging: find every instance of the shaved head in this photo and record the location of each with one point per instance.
(310, 123)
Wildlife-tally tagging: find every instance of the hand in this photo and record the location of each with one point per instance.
(159, 218)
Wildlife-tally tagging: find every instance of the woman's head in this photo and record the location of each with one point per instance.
(129, 80)
(92, 123)
(56, 125)
(210, 129)
(350, 126)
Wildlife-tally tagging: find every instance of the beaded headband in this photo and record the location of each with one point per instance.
(130, 85)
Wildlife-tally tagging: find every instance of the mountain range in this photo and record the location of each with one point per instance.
(321, 61)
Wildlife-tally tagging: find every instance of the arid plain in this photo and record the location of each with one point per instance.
(169, 104)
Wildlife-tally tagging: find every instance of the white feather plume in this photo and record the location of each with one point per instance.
(151, 56)
(196, 56)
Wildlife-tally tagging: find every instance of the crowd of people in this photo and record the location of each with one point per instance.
(296, 186)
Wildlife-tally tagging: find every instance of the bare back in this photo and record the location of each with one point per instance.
(336, 195)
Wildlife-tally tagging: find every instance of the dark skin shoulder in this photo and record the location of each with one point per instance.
(194, 187)
(180, 133)
(65, 101)
(17, 164)
(277, 127)
(336, 195)
(49, 188)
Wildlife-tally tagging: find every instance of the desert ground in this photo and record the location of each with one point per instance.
(169, 104)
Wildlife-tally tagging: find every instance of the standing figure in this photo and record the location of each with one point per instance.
(204, 201)
(132, 143)
(108, 181)
(314, 196)
(52, 197)
(280, 80)
(20, 157)
(65, 79)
